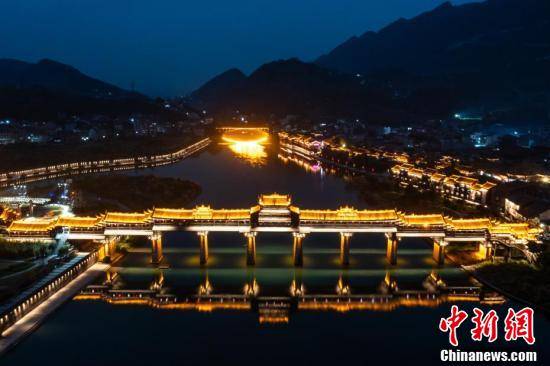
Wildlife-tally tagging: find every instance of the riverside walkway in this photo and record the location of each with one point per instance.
(41, 282)
(98, 166)
(35, 317)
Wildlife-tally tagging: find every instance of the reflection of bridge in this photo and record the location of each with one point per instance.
(274, 213)
(277, 309)
(106, 165)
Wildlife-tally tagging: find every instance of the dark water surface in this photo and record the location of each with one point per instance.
(93, 332)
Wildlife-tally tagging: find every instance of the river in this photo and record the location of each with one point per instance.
(93, 332)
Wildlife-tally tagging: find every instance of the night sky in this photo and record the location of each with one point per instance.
(170, 47)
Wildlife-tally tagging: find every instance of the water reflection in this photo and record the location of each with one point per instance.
(122, 287)
(275, 289)
(247, 143)
(252, 152)
(315, 166)
(308, 166)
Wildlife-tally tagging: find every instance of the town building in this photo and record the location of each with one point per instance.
(458, 187)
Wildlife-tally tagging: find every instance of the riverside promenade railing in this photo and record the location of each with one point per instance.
(29, 299)
(94, 166)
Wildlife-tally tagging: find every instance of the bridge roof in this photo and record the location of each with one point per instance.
(127, 218)
(201, 213)
(235, 214)
(274, 199)
(469, 224)
(521, 231)
(247, 135)
(518, 230)
(172, 213)
(81, 222)
(423, 220)
(7, 214)
(348, 214)
(377, 215)
(32, 225)
(263, 128)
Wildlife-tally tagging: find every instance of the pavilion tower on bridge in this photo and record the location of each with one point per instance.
(275, 210)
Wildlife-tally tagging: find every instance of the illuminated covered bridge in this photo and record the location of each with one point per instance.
(275, 213)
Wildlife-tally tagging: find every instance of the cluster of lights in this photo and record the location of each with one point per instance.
(248, 144)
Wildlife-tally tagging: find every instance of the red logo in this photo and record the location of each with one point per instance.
(452, 323)
(485, 326)
(518, 324)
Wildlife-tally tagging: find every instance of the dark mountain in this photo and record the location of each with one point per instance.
(50, 90)
(485, 56)
(492, 55)
(56, 77)
(42, 104)
(222, 83)
(505, 35)
(298, 88)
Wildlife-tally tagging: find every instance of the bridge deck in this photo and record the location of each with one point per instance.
(275, 213)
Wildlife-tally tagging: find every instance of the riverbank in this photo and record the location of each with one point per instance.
(518, 280)
(119, 192)
(24, 250)
(25, 326)
(22, 264)
(10, 267)
(15, 274)
(27, 155)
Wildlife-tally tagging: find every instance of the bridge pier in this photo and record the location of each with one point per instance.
(388, 285)
(508, 256)
(439, 250)
(297, 286)
(342, 287)
(110, 278)
(103, 252)
(486, 249)
(251, 289)
(106, 250)
(250, 248)
(205, 288)
(297, 249)
(345, 239)
(156, 246)
(391, 248)
(203, 243)
(112, 245)
(158, 282)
